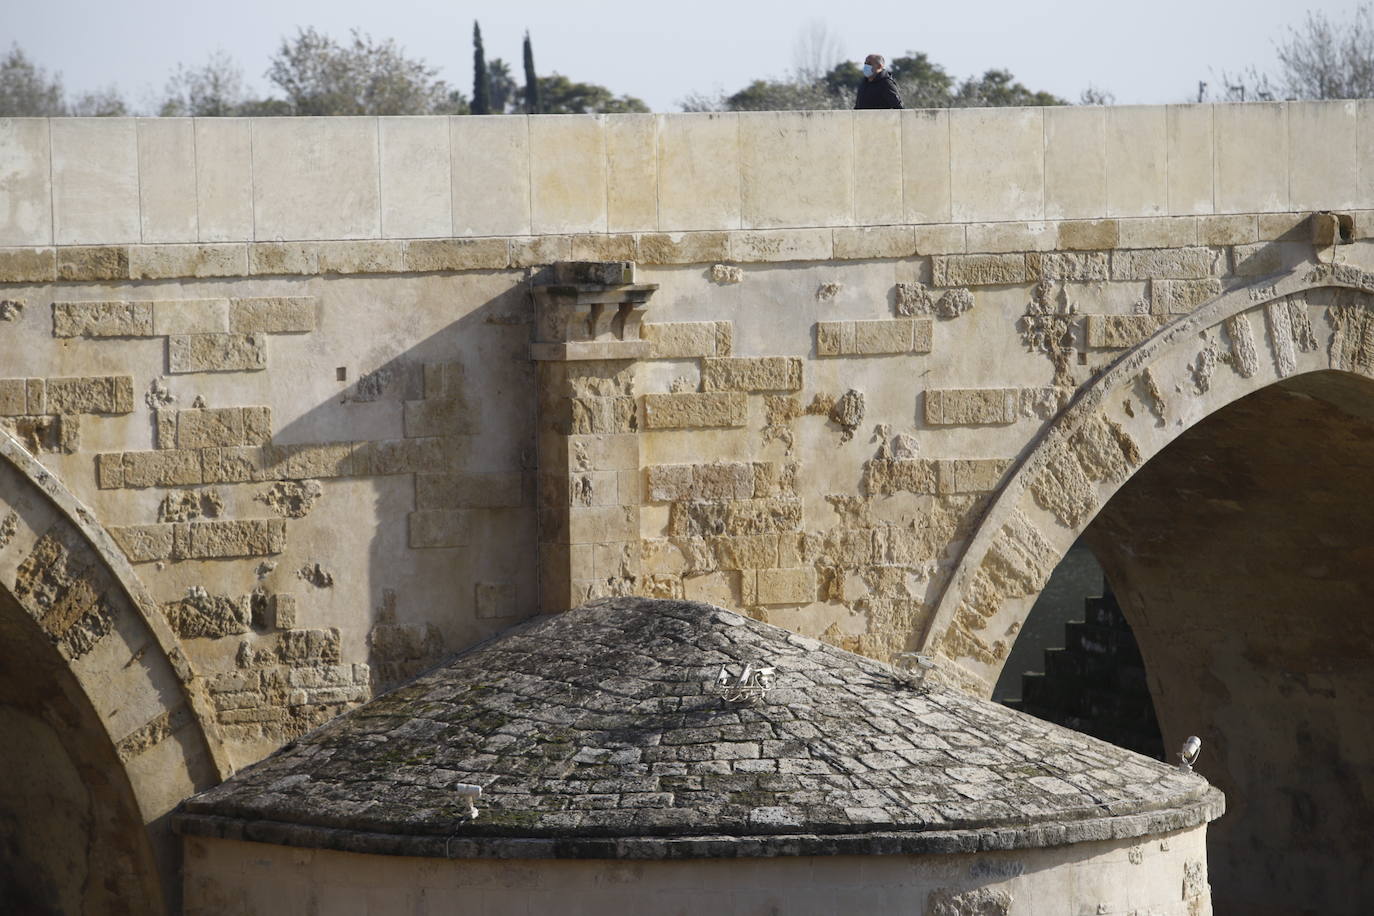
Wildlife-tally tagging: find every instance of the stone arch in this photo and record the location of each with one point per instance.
(1233, 346)
(96, 681)
(1217, 470)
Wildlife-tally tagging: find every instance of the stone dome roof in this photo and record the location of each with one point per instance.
(600, 733)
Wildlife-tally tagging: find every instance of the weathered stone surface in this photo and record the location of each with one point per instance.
(439, 417)
(688, 339)
(687, 410)
(13, 397)
(1089, 234)
(879, 337)
(804, 754)
(979, 269)
(1179, 297)
(279, 315)
(161, 262)
(209, 428)
(1167, 263)
(216, 353)
(1258, 260)
(970, 406)
(439, 528)
(684, 247)
(162, 468)
(208, 616)
(102, 319)
(1073, 265)
(291, 498)
(28, 265)
(468, 491)
(456, 254)
(235, 538)
(874, 242)
(93, 263)
(758, 373)
(113, 394)
(786, 586)
(702, 518)
(144, 543)
(1119, 331)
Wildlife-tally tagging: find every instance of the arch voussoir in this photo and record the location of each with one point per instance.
(1232, 346)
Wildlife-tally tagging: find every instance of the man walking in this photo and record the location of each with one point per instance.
(878, 89)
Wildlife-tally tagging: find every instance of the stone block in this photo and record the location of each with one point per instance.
(950, 239)
(1190, 149)
(102, 319)
(13, 397)
(490, 175)
(901, 475)
(873, 242)
(190, 316)
(979, 270)
(878, 175)
(1088, 266)
(403, 456)
(28, 265)
(734, 518)
(109, 470)
(1119, 331)
(439, 417)
(883, 336)
(161, 262)
(1010, 237)
(1287, 227)
(684, 247)
(1137, 173)
(232, 465)
(26, 177)
(369, 257)
(758, 373)
(284, 611)
(37, 396)
(215, 427)
(689, 410)
(976, 475)
(971, 406)
(94, 181)
(457, 254)
(834, 338)
(167, 179)
(786, 586)
(795, 169)
(756, 551)
(236, 538)
(144, 543)
(416, 199)
(1251, 157)
(468, 491)
(1227, 230)
(540, 250)
(669, 482)
(1088, 234)
(224, 179)
(311, 460)
(315, 178)
(722, 480)
(216, 353)
(1178, 297)
(209, 617)
(567, 174)
(1166, 263)
(997, 164)
(93, 262)
(604, 248)
(101, 394)
(1322, 155)
(1159, 232)
(162, 468)
(1075, 162)
(687, 339)
(257, 425)
(1258, 260)
(776, 245)
(699, 171)
(926, 166)
(601, 524)
(266, 258)
(274, 315)
(631, 172)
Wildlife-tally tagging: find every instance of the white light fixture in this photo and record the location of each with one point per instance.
(749, 687)
(1187, 755)
(911, 669)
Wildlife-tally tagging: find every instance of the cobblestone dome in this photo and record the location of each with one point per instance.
(600, 733)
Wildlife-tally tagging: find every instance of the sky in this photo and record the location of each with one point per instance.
(1142, 53)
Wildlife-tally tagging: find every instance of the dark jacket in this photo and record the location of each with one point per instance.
(879, 92)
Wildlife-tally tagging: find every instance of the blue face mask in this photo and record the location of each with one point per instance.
(868, 69)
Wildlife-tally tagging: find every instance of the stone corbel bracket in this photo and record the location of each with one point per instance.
(590, 310)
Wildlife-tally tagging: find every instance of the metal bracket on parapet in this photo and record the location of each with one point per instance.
(589, 310)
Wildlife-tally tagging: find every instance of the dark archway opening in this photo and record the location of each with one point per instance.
(1242, 556)
(71, 836)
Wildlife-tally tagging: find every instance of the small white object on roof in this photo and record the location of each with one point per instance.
(749, 687)
(1187, 755)
(469, 794)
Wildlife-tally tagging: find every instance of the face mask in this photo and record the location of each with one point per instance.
(868, 69)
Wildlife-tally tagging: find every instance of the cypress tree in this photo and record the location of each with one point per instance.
(481, 83)
(532, 105)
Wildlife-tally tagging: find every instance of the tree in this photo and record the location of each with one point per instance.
(99, 103)
(481, 87)
(998, 88)
(532, 102)
(213, 90)
(505, 91)
(320, 77)
(561, 95)
(26, 90)
(1326, 60)
(815, 51)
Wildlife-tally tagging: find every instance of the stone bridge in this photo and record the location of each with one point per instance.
(294, 408)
